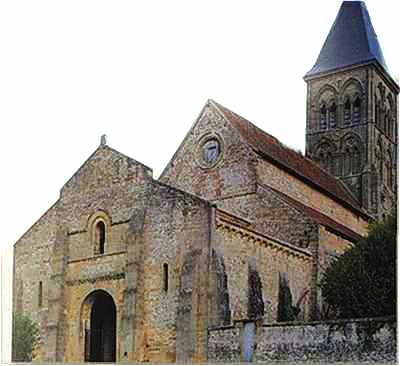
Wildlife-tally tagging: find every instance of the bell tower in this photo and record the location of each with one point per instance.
(352, 111)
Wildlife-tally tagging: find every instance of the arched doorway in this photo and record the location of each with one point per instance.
(99, 322)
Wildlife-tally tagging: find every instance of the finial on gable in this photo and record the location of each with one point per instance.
(103, 140)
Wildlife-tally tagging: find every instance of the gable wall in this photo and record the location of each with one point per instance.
(233, 175)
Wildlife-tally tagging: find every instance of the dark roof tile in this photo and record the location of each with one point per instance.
(269, 147)
(351, 41)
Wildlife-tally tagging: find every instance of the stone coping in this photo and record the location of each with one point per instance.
(390, 319)
(330, 322)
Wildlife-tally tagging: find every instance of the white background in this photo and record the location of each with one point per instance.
(140, 72)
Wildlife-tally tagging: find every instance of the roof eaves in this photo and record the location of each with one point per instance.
(301, 176)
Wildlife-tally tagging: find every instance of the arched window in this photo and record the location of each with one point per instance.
(100, 237)
(347, 112)
(40, 294)
(332, 115)
(322, 117)
(356, 161)
(347, 162)
(329, 162)
(336, 165)
(357, 111)
(324, 156)
(165, 277)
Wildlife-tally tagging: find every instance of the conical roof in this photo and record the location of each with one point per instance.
(351, 41)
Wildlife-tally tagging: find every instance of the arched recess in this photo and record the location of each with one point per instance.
(327, 92)
(99, 229)
(351, 96)
(332, 113)
(98, 333)
(324, 155)
(220, 312)
(352, 153)
(326, 100)
(351, 86)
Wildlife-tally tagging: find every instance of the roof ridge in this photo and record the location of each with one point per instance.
(93, 154)
(280, 142)
(270, 147)
(251, 124)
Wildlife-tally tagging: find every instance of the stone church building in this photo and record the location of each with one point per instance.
(238, 227)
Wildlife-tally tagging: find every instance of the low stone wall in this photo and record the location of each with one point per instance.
(224, 344)
(354, 340)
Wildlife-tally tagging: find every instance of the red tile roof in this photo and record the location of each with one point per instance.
(269, 147)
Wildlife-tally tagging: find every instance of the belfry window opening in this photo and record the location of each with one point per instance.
(323, 117)
(332, 115)
(357, 111)
(100, 235)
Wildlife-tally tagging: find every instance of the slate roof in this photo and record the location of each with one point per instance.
(351, 41)
(270, 148)
(319, 217)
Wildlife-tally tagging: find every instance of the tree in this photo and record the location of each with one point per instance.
(362, 282)
(24, 337)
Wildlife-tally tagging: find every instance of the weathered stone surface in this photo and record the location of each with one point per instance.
(188, 259)
(317, 342)
(358, 141)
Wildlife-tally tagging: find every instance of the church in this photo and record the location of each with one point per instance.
(238, 228)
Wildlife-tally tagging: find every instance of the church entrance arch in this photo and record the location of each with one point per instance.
(98, 319)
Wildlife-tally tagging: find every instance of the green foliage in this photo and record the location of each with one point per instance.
(362, 282)
(24, 337)
(286, 311)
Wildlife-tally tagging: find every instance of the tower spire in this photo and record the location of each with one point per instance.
(351, 41)
(352, 104)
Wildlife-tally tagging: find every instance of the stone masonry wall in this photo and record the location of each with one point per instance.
(107, 186)
(267, 213)
(31, 265)
(282, 181)
(242, 250)
(177, 234)
(224, 345)
(316, 342)
(233, 174)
